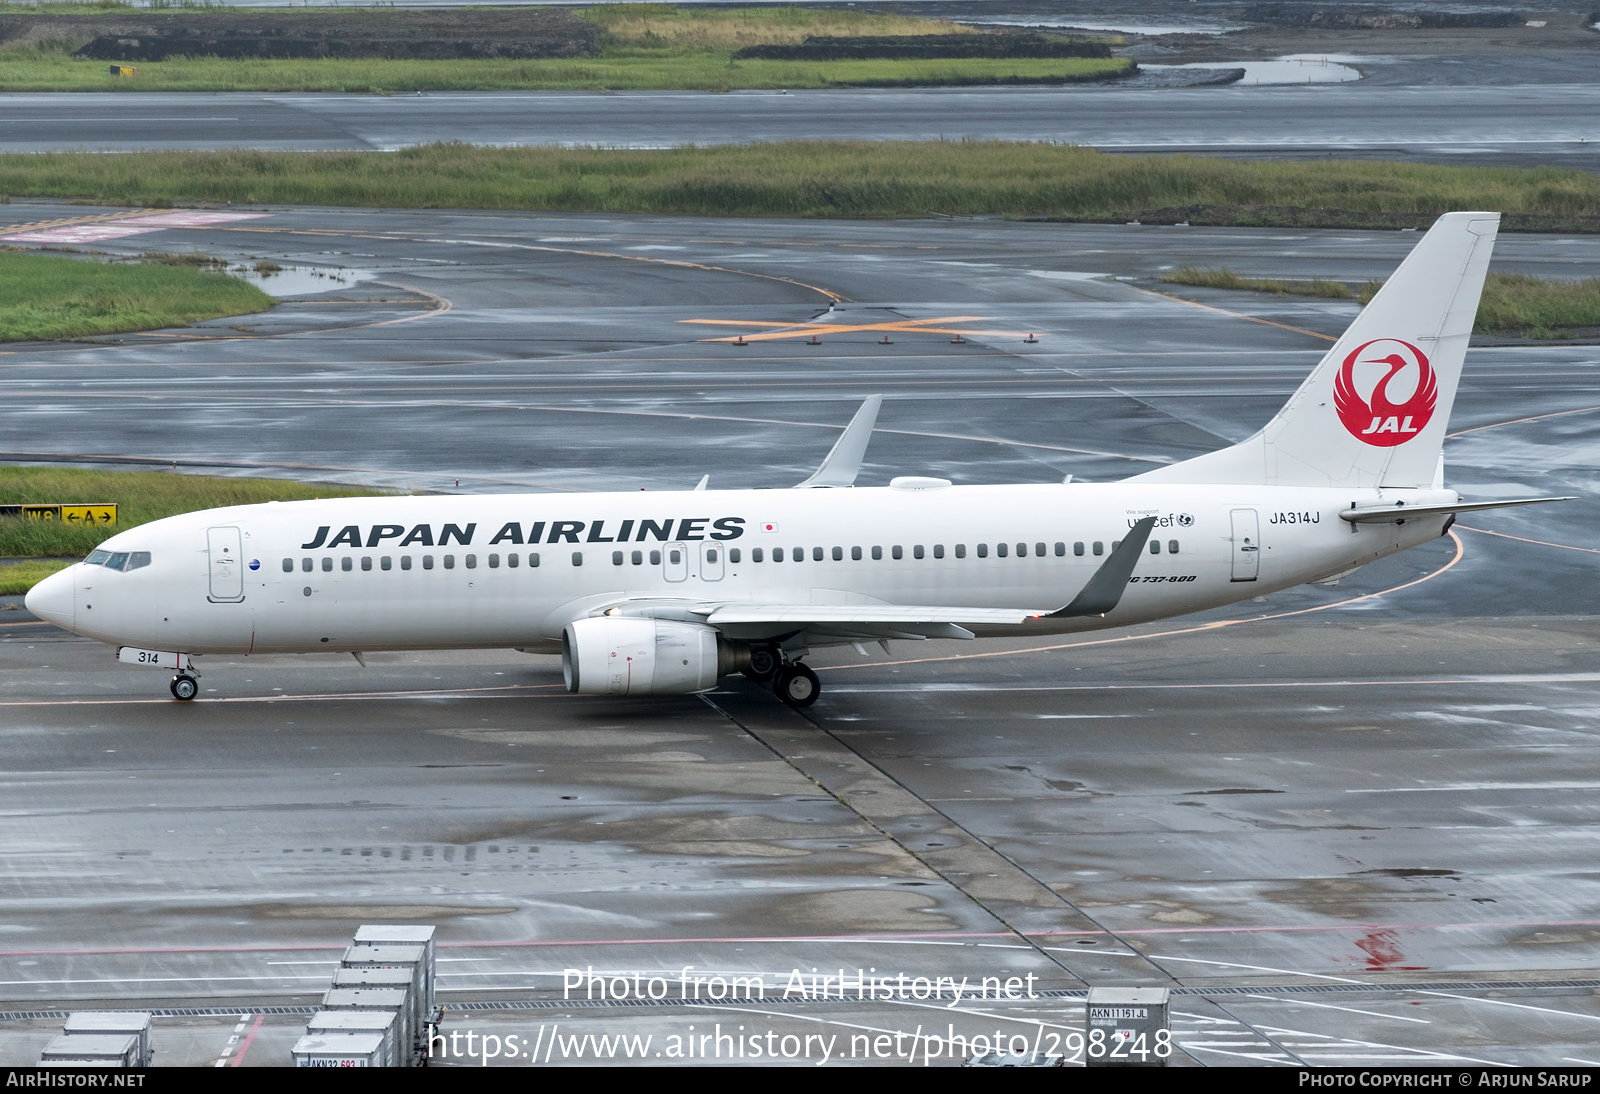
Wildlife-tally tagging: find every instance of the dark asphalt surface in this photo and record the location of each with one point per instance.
(1452, 123)
(1389, 793)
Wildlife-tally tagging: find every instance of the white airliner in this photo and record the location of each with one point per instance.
(663, 593)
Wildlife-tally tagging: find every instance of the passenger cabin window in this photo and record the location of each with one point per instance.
(1099, 547)
(386, 563)
(494, 561)
(838, 554)
(327, 564)
(655, 558)
(711, 555)
(577, 558)
(533, 558)
(916, 552)
(366, 562)
(1155, 546)
(1038, 549)
(733, 555)
(674, 556)
(288, 565)
(511, 561)
(777, 554)
(1172, 546)
(757, 554)
(346, 564)
(306, 564)
(961, 550)
(638, 558)
(938, 550)
(405, 562)
(877, 552)
(1115, 544)
(983, 550)
(616, 558)
(1077, 548)
(472, 562)
(816, 554)
(427, 562)
(1002, 549)
(855, 554)
(1061, 550)
(898, 551)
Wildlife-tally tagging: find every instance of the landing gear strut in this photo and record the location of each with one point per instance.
(797, 685)
(185, 687)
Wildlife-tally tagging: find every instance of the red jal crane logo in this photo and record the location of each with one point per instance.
(1380, 421)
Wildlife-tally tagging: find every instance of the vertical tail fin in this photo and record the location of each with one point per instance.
(1374, 411)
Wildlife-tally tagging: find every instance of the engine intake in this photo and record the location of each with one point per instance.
(622, 655)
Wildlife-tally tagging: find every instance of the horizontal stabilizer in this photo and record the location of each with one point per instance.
(1387, 514)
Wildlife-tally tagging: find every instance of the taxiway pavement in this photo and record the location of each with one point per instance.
(1353, 823)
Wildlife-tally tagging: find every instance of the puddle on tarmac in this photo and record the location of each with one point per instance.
(280, 281)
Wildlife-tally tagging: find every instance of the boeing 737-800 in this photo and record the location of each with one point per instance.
(663, 593)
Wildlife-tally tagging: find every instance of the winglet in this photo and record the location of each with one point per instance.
(701, 485)
(843, 462)
(1104, 590)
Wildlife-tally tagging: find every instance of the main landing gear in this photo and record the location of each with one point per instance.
(792, 682)
(797, 685)
(185, 687)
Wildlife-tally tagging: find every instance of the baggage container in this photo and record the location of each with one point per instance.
(1133, 1026)
(91, 1050)
(385, 1022)
(401, 979)
(395, 1000)
(392, 957)
(123, 1022)
(379, 934)
(338, 1050)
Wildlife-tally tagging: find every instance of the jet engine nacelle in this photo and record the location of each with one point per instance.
(623, 655)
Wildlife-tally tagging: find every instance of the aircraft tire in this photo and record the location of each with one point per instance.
(797, 686)
(764, 665)
(185, 688)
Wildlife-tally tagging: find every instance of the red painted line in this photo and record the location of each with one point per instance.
(244, 1046)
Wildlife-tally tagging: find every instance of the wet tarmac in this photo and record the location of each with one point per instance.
(1484, 123)
(1348, 824)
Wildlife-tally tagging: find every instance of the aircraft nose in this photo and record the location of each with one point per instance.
(53, 598)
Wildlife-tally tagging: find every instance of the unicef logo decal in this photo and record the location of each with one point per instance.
(1185, 520)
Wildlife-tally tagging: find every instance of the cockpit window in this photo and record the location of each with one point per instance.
(121, 560)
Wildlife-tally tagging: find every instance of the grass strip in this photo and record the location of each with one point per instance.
(45, 296)
(830, 179)
(1512, 304)
(35, 70)
(1224, 278)
(19, 578)
(642, 47)
(140, 497)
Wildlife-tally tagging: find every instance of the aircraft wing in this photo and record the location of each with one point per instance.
(866, 613)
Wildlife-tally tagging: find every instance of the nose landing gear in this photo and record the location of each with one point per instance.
(185, 687)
